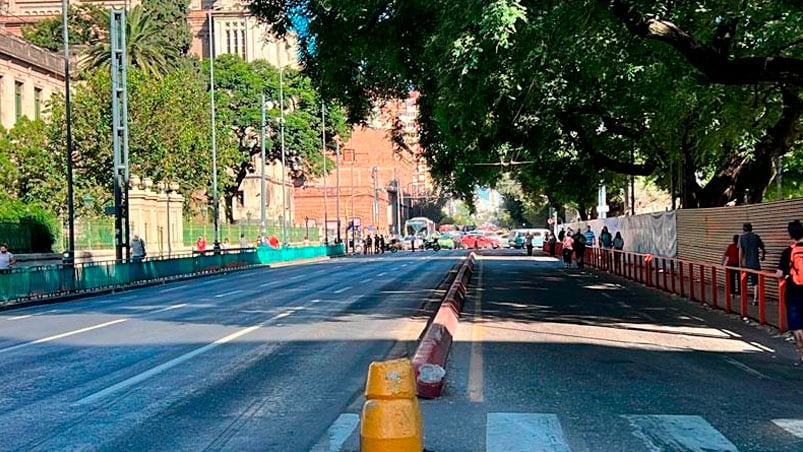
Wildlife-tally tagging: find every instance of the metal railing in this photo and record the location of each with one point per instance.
(703, 282)
(21, 285)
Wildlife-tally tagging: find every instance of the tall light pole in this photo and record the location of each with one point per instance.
(353, 213)
(262, 189)
(337, 193)
(69, 256)
(214, 141)
(325, 199)
(398, 203)
(284, 164)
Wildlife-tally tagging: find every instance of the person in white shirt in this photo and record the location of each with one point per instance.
(6, 259)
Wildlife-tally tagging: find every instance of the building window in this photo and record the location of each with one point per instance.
(242, 39)
(37, 103)
(228, 39)
(18, 99)
(236, 49)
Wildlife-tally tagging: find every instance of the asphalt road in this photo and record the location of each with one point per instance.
(263, 359)
(554, 360)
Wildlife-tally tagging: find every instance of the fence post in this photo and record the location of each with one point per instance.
(714, 288)
(743, 284)
(728, 290)
(782, 305)
(762, 300)
(672, 270)
(682, 280)
(703, 294)
(666, 286)
(691, 281)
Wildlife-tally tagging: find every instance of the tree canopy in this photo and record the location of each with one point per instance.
(701, 97)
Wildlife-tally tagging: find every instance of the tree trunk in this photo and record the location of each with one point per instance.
(745, 179)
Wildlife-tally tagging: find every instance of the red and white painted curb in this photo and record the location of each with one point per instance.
(429, 361)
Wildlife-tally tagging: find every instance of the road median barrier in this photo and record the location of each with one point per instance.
(391, 417)
(429, 360)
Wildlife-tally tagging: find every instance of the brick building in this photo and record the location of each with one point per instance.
(371, 169)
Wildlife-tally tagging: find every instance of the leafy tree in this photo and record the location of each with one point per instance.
(573, 87)
(85, 23)
(239, 86)
(147, 45)
(168, 131)
(30, 172)
(175, 30)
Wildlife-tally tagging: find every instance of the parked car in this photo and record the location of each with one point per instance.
(477, 239)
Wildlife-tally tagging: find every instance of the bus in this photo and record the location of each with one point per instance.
(421, 227)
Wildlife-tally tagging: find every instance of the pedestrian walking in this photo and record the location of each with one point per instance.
(568, 250)
(591, 239)
(749, 246)
(382, 243)
(731, 259)
(7, 259)
(580, 243)
(528, 241)
(552, 242)
(138, 252)
(561, 235)
(376, 244)
(618, 246)
(367, 248)
(200, 244)
(606, 243)
(243, 241)
(791, 268)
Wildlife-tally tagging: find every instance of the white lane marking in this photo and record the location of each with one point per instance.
(339, 291)
(317, 300)
(514, 432)
(366, 280)
(268, 284)
(20, 317)
(139, 378)
(762, 347)
(687, 433)
(227, 294)
(184, 286)
(62, 335)
(476, 378)
(169, 308)
(404, 265)
(381, 274)
(793, 426)
(746, 368)
(338, 433)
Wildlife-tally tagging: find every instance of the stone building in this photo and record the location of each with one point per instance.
(29, 76)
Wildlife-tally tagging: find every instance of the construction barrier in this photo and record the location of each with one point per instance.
(717, 286)
(429, 360)
(391, 417)
(35, 283)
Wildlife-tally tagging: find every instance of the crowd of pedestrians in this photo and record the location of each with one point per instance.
(574, 244)
(374, 245)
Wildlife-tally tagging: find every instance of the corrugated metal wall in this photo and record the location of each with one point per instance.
(704, 234)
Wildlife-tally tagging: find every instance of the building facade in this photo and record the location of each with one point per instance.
(29, 76)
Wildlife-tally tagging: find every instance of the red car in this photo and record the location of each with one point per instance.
(480, 239)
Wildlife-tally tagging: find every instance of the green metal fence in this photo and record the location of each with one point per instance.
(16, 235)
(36, 283)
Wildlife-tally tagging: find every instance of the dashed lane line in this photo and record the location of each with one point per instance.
(63, 335)
(340, 291)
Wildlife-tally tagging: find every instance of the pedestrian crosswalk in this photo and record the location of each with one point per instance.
(544, 432)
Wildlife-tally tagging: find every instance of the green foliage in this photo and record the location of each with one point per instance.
(175, 29)
(30, 228)
(570, 86)
(85, 22)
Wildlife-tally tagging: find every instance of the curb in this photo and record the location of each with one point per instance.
(433, 349)
(299, 262)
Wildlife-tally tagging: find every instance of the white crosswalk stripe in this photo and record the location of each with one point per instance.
(524, 432)
(793, 426)
(687, 433)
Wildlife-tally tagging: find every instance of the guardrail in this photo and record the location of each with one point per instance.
(54, 281)
(710, 284)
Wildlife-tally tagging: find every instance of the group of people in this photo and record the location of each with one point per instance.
(374, 245)
(746, 251)
(574, 244)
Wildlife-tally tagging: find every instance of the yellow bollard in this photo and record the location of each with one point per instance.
(391, 417)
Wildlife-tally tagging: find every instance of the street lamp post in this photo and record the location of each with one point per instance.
(69, 256)
(284, 163)
(325, 199)
(214, 142)
(262, 189)
(337, 175)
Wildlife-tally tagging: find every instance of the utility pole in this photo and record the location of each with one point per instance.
(284, 162)
(337, 193)
(325, 199)
(263, 231)
(215, 202)
(69, 256)
(120, 132)
(353, 216)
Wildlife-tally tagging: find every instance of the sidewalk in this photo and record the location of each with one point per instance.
(583, 361)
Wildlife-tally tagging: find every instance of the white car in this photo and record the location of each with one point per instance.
(408, 242)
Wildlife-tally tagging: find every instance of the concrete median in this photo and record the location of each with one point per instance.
(429, 360)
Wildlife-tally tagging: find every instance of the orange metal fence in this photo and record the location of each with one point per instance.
(709, 284)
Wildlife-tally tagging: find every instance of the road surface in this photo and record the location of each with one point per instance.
(264, 359)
